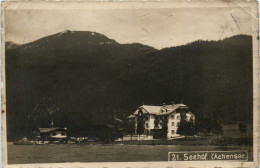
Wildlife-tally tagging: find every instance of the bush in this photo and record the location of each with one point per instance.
(186, 128)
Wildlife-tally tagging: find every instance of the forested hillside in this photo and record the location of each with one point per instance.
(80, 79)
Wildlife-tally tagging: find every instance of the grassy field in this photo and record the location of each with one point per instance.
(50, 153)
(124, 151)
(232, 130)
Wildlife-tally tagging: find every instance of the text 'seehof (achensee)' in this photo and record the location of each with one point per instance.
(208, 155)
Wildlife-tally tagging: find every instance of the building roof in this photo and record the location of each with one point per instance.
(151, 109)
(45, 130)
(159, 110)
(131, 116)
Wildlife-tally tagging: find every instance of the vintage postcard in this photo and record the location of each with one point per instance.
(130, 84)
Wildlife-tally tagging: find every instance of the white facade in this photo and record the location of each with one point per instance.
(58, 134)
(149, 124)
(173, 121)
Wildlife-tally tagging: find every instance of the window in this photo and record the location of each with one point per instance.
(140, 112)
(146, 125)
(147, 118)
(178, 123)
(53, 134)
(173, 131)
(173, 124)
(172, 116)
(62, 133)
(178, 117)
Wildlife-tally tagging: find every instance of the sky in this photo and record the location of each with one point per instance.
(159, 28)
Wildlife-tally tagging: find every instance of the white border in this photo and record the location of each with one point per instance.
(8, 5)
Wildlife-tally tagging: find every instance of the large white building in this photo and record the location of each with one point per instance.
(159, 118)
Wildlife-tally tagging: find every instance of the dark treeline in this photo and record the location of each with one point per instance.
(81, 79)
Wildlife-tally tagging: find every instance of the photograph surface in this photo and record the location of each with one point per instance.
(133, 84)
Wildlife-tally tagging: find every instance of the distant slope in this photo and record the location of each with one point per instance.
(11, 45)
(89, 76)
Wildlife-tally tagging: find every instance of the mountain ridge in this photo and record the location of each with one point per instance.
(66, 32)
(89, 82)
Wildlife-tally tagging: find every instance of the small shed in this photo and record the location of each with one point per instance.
(53, 134)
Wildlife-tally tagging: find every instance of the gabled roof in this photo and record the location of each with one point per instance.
(131, 116)
(147, 109)
(151, 109)
(159, 110)
(45, 130)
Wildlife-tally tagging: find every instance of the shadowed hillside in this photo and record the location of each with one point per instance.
(82, 78)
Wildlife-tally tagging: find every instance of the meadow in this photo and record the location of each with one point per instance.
(88, 152)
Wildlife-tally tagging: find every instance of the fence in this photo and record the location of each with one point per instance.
(137, 137)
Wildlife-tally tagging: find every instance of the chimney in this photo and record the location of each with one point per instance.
(172, 103)
(164, 104)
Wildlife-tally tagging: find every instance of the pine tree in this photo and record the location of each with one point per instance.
(186, 128)
(140, 123)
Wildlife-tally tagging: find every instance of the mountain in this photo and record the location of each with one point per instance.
(81, 79)
(11, 45)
